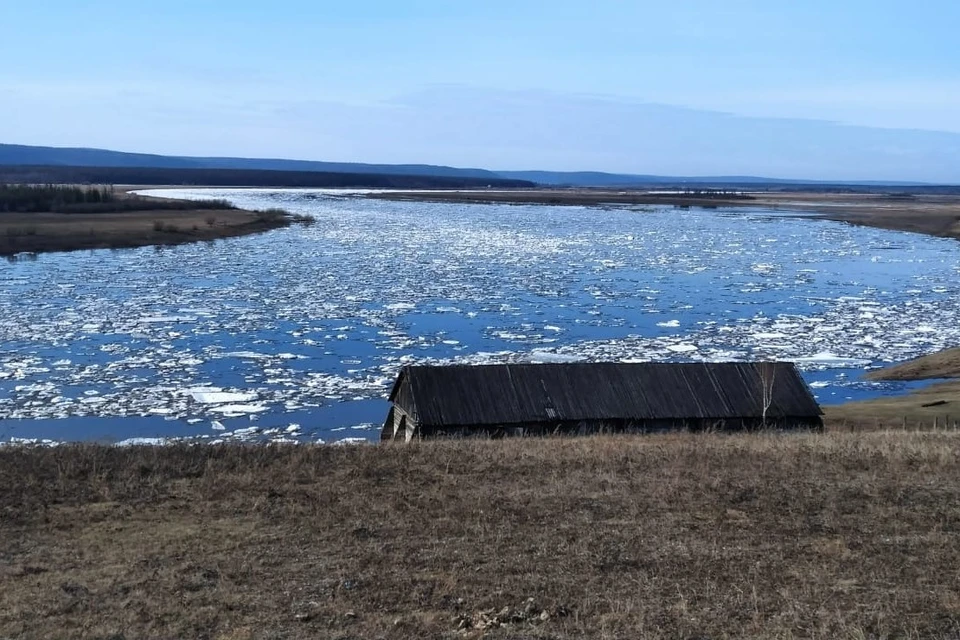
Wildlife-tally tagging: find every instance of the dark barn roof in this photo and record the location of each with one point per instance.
(525, 393)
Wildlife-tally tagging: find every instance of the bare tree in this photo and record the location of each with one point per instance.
(768, 376)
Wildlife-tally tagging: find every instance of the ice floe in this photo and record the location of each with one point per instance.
(309, 325)
(221, 397)
(132, 442)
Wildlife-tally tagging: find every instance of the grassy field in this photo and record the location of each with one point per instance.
(675, 536)
(931, 407)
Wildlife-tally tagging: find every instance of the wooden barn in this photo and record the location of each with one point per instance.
(578, 398)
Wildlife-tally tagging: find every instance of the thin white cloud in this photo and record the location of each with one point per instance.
(465, 126)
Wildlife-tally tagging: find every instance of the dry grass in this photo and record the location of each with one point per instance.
(936, 406)
(930, 214)
(124, 219)
(943, 364)
(931, 407)
(678, 536)
(73, 231)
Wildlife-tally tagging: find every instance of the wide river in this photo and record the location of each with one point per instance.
(298, 333)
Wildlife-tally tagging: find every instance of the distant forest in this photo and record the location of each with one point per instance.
(241, 178)
(22, 198)
(38, 198)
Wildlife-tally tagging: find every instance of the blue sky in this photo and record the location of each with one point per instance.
(828, 90)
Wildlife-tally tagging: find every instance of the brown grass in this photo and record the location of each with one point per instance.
(675, 536)
(43, 232)
(936, 215)
(130, 220)
(943, 364)
(932, 407)
(562, 196)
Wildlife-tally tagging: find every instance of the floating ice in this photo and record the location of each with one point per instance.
(311, 325)
(28, 442)
(249, 355)
(136, 442)
(546, 356)
(240, 409)
(830, 359)
(222, 397)
(157, 319)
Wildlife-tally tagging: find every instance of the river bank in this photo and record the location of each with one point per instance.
(934, 406)
(46, 232)
(931, 214)
(128, 221)
(676, 536)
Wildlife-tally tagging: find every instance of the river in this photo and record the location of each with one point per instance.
(297, 334)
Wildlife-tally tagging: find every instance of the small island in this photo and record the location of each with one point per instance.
(44, 218)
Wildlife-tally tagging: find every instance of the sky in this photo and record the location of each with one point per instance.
(816, 89)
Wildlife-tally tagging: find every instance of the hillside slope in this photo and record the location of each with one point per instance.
(78, 157)
(44, 174)
(671, 536)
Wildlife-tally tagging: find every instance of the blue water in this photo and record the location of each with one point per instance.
(307, 326)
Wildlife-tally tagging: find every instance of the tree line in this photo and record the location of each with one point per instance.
(27, 198)
(56, 198)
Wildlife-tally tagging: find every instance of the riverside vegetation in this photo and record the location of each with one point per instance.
(832, 535)
(41, 218)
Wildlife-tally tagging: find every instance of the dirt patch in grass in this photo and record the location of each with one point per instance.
(678, 536)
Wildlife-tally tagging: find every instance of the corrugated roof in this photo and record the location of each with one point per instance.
(518, 393)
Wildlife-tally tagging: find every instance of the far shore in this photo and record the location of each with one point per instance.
(930, 214)
(33, 233)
